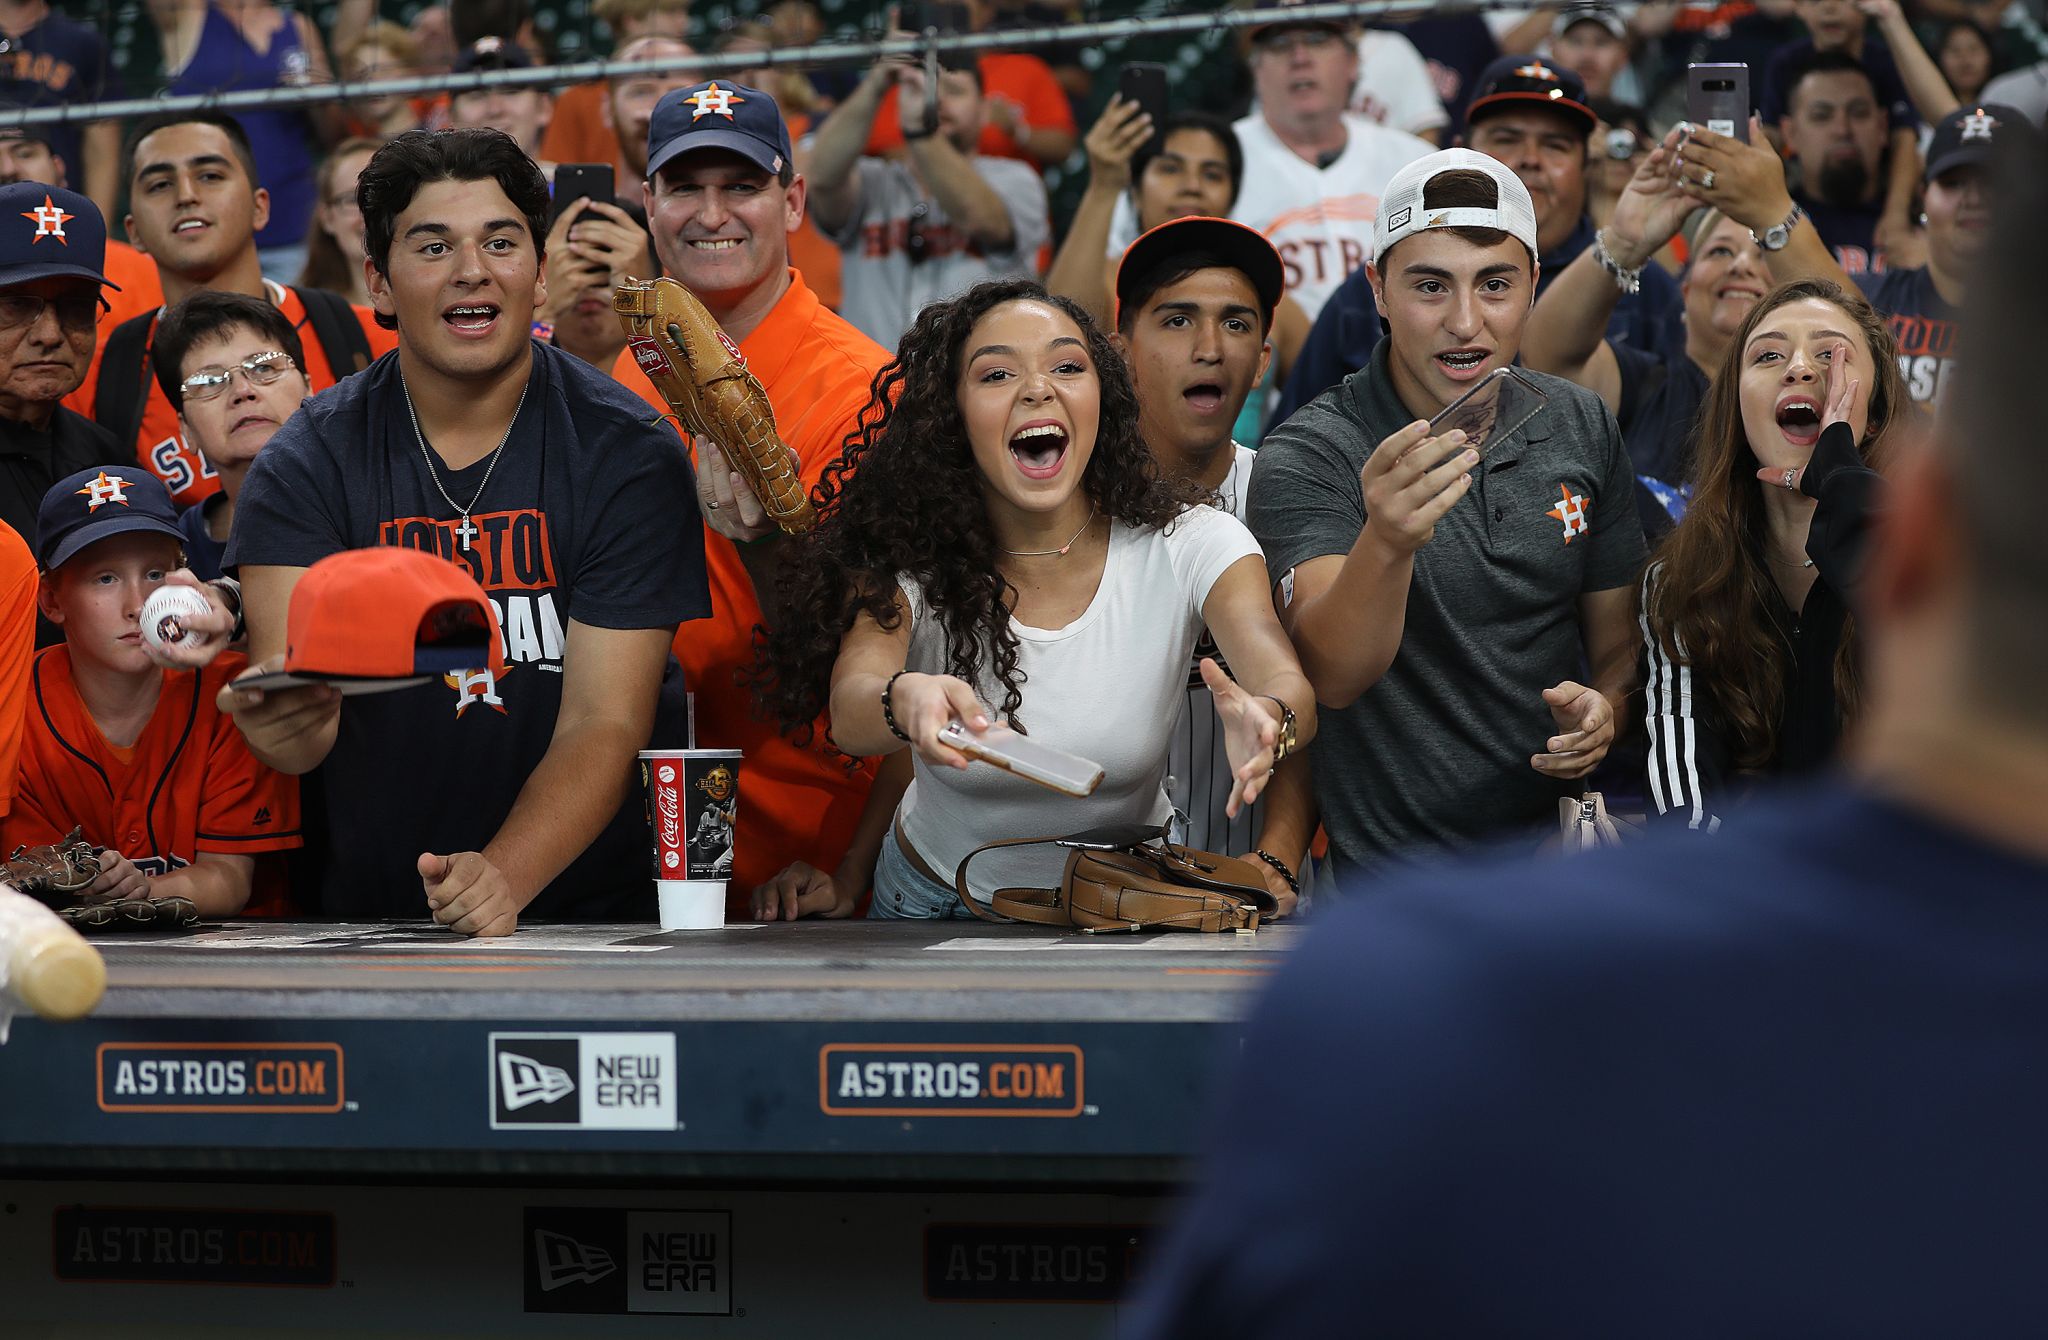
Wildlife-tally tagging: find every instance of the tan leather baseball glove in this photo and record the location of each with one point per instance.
(705, 380)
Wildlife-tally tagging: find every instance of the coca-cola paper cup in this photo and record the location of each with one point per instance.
(693, 798)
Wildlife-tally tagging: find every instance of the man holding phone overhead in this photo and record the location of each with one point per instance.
(1469, 617)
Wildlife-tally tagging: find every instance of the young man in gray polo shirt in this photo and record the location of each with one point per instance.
(1447, 635)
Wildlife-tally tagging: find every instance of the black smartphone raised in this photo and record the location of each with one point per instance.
(1144, 83)
(580, 181)
(1717, 98)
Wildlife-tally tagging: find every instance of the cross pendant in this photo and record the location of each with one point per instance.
(466, 532)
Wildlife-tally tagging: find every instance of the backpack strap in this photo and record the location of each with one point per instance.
(122, 391)
(338, 329)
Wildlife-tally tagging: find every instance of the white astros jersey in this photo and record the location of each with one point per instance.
(1319, 219)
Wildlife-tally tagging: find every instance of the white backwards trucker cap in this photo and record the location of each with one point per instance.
(1402, 215)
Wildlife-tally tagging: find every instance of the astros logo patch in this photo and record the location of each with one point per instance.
(1571, 510)
(102, 489)
(713, 100)
(49, 220)
(1978, 125)
(473, 687)
(1537, 70)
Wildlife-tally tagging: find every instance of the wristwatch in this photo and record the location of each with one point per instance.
(1285, 744)
(1777, 235)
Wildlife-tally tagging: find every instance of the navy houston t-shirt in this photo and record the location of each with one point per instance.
(591, 516)
(55, 64)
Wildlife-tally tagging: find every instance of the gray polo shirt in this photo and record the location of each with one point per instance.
(1436, 754)
(900, 251)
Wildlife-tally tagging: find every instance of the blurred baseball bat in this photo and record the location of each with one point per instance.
(44, 964)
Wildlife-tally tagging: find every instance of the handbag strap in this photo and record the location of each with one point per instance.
(1106, 886)
(1042, 906)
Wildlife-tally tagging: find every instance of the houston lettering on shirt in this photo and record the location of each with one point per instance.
(1926, 353)
(1312, 250)
(36, 67)
(512, 558)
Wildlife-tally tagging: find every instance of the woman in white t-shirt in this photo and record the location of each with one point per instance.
(997, 546)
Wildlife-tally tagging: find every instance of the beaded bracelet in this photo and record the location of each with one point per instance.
(888, 711)
(1270, 859)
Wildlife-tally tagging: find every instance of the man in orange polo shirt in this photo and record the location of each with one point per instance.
(722, 198)
(194, 207)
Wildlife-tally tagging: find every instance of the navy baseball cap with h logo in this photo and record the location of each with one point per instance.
(47, 232)
(95, 504)
(718, 115)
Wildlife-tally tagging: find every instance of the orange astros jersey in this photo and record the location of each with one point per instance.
(187, 785)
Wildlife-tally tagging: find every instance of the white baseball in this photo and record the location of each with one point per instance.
(164, 613)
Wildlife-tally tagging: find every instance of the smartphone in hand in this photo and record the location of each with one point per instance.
(1717, 98)
(1492, 411)
(1144, 82)
(580, 181)
(1054, 769)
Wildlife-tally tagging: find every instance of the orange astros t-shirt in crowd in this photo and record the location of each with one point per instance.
(17, 652)
(815, 256)
(160, 449)
(1018, 76)
(576, 130)
(141, 290)
(796, 804)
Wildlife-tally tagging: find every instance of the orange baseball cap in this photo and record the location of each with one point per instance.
(386, 613)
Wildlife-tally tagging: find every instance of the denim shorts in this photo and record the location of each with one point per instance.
(903, 892)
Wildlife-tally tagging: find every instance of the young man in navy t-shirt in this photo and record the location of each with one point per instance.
(508, 796)
(1966, 163)
(1784, 1080)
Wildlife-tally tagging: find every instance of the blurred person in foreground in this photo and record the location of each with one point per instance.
(1784, 1083)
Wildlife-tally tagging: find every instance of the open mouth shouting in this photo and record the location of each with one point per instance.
(1799, 419)
(1039, 448)
(1204, 398)
(1462, 365)
(471, 319)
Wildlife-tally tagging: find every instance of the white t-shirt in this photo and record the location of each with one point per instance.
(1320, 219)
(1107, 686)
(883, 288)
(1197, 765)
(1394, 87)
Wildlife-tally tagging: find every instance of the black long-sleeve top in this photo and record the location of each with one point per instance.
(1692, 776)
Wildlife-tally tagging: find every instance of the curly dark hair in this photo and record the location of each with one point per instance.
(906, 497)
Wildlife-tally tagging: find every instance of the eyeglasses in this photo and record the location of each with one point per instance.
(25, 309)
(261, 370)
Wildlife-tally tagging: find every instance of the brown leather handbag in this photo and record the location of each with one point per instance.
(1130, 878)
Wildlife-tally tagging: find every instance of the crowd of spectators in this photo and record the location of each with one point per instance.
(1468, 680)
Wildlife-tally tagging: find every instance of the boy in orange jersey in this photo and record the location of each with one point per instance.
(139, 756)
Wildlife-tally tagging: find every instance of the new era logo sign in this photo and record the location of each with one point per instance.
(559, 1260)
(523, 1081)
(614, 1261)
(583, 1081)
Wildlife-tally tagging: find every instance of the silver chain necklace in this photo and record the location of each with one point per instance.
(467, 531)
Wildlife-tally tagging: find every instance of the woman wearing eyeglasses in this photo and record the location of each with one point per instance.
(231, 365)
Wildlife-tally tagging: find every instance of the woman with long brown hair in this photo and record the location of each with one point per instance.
(1751, 654)
(334, 244)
